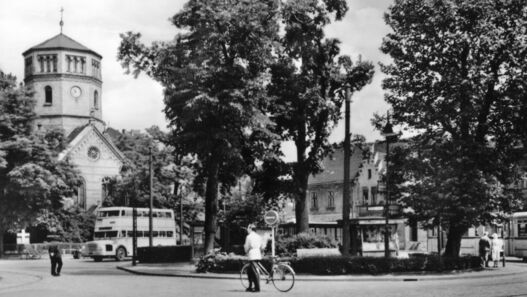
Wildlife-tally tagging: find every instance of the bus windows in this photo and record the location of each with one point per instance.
(522, 228)
(105, 234)
(109, 213)
(111, 234)
(168, 214)
(162, 234)
(155, 234)
(170, 233)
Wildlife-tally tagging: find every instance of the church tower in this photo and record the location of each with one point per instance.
(66, 78)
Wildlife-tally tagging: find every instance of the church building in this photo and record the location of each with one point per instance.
(66, 78)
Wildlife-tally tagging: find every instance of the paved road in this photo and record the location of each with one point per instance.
(85, 278)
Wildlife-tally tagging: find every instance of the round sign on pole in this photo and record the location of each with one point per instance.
(271, 218)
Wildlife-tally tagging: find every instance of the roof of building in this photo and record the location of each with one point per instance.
(78, 133)
(333, 170)
(61, 41)
(75, 132)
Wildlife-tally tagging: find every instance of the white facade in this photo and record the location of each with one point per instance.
(66, 78)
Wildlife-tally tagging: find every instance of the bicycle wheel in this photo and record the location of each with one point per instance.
(283, 277)
(244, 277)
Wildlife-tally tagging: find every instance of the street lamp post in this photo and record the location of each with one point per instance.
(151, 204)
(388, 133)
(134, 236)
(346, 240)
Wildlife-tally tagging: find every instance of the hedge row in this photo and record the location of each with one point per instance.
(164, 254)
(288, 245)
(338, 265)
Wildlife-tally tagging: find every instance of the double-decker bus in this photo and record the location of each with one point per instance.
(113, 233)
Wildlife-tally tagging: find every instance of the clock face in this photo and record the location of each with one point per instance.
(76, 92)
(93, 153)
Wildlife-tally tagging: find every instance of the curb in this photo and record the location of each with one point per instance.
(405, 278)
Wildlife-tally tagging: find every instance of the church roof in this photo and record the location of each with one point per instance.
(75, 132)
(78, 133)
(61, 41)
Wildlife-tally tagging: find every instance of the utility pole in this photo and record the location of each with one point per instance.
(346, 189)
(150, 227)
(388, 134)
(181, 219)
(134, 238)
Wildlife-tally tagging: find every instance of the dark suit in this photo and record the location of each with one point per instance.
(56, 259)
(484, 248)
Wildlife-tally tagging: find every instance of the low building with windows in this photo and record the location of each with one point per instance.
(368, 207)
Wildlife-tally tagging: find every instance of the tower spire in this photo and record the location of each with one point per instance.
(61, 22)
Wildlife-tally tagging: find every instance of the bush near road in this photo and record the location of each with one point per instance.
(339, 265)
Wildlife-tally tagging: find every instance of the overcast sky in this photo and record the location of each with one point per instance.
(130, 103)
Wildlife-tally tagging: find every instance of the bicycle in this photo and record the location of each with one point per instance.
(282, 275)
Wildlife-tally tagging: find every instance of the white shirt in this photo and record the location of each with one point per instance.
(253, 245)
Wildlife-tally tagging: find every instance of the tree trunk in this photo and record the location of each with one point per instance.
(1, 242)
(211, 206)
(453, 243)
(301, 207)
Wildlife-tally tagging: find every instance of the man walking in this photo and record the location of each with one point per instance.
(56, 258)
(253, 248)
(484, 249)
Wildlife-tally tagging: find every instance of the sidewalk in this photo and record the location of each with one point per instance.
(189, 270)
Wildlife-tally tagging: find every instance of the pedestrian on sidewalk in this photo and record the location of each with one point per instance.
(496, 245)
(253, 248)
(484, 248)
(55, 257)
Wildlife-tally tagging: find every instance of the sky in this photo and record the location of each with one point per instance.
(130, 103)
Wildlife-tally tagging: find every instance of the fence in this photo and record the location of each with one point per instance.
(39, 248)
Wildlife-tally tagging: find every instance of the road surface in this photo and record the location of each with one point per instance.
(85, 278)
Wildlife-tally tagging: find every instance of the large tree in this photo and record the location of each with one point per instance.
(132, 186)
(32, 179)
(458, 77)
(213, 74)
(307, 87)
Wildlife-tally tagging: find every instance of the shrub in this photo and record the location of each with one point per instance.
(339, 265)
(164, 254)
(287, 246)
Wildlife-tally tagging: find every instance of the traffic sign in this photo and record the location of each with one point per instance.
(271, 218)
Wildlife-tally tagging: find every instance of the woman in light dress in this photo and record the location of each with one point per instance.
(496, 246)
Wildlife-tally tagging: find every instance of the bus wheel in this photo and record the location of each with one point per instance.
(97, 259)
(120, 253)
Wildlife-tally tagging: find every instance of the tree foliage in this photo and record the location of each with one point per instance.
(32, 178)
(308, 78)
(213, 74)
(71, 224)
(132, 186)
(458, 77)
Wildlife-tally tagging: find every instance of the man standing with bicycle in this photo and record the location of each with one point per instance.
(253, 248)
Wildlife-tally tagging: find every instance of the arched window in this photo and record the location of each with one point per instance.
(105, 183)
(81, 194)
(96, 100)
(49, 95)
